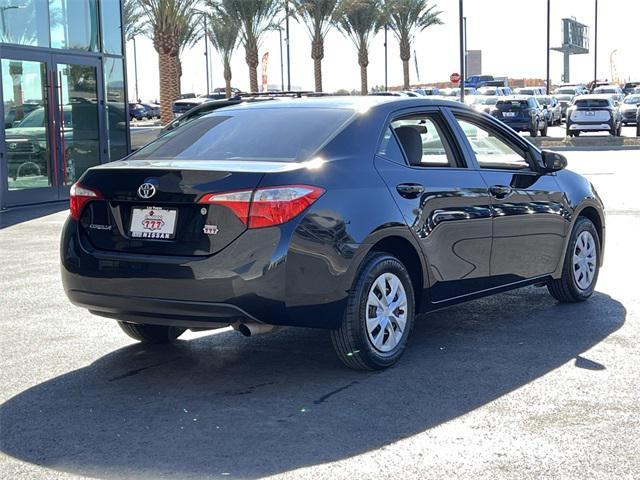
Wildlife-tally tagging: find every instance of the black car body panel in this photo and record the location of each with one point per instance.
(458, 239)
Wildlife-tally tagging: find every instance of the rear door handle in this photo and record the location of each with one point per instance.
(500, 191)
(410, 190)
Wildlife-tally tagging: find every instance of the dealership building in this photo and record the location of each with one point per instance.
(63, 92)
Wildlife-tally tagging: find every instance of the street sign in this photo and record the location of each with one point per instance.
(455, 77)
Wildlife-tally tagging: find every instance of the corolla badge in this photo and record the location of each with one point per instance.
(146, 190)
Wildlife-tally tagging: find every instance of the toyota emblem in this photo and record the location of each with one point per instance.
(146, 190)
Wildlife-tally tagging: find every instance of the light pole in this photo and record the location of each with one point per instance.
(386, 86)
(286, 11)
(462, 55)
(548, 46)
(281, 60)
(135, 67)
(595, 50)
(206, 51)
(466, 48)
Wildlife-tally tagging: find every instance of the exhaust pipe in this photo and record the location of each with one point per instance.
(251, 329)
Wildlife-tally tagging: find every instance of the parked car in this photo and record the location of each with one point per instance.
(572, 88)
(467, 91)
(477, 81)
(528, 91)
(629, 108)
(500, 91)
(565, 101)
(388, 94)
(638, 123)
(221, 90)
(410, 93)
(630, 87)
(523, 113)
(137, 111)
(593, 113)
(298, 224)
(483, 103)
(552, 109)
(152, 110)
(427, 91)
(613, 90)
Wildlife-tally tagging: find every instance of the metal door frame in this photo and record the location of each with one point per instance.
(57, 191)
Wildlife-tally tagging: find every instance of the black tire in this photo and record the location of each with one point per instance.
(533, 130)
(565, 289)
(543, 132)
(351, 341)
(638, 130)
(151, 333)
(613, 131)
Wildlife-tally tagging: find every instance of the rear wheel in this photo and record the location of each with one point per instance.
(543, 132)
(581, 265)
(533, 130)
(151, 333)
(379, 315)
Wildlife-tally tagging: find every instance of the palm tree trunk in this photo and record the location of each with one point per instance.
(317, 73)
(168, 85)
(405, 71)
(227, 79)
(363, 61)
(405, 56)
(179, 75)
(251, 57)
(317, 54)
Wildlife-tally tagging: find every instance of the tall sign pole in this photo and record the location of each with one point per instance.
(548, 47)
(386, 86)
(286, 10)
(462, 47)
(595, 49)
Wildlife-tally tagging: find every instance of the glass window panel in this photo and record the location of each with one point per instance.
(79, 103)
(25, 22)
(116, 108)
(111, 27)
(74, 24)
(25, 124)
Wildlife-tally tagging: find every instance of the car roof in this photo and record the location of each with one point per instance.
(594, 96)
(516, 97)
(358, 103)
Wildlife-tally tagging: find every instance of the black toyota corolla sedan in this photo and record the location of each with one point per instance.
(347, 214)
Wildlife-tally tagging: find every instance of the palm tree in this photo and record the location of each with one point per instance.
(360, 20)
(406, 18)
(168, 20)
(255, 18)
(224, 32)
(316, 15)
(133, 19)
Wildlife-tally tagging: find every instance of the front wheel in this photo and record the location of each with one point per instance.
(581, 265)
(379, 316)
(151, 333)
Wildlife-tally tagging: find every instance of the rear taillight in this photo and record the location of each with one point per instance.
(79, 196)
(265, 207)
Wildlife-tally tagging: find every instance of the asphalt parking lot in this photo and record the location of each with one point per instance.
(512, 386)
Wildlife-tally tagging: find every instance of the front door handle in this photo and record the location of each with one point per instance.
(500, 191)
(410, 190)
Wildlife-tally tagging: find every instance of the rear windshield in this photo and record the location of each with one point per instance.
(632, 99)
(605, 90)
(544, 100)
(564, 98)
(592, 103)
(512, 104)
(281, 135)
(566, 90)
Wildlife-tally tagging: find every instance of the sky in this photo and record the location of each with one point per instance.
(510, 33)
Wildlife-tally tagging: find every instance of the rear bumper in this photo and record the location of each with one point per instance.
(260, 277)
(589, 126)
(519, 126)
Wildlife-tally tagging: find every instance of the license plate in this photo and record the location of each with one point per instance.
(153, 222)
(509, 114)
(590, 114)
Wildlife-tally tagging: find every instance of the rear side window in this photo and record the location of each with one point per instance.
(435, 149)
(267, 134)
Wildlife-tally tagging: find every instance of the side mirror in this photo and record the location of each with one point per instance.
(553, 161)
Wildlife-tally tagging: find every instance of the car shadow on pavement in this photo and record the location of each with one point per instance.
(225, 405)
(14, 216)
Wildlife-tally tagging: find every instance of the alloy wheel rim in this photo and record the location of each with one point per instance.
(584, 260)
(386, 312)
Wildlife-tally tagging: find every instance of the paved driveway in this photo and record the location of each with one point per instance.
(513, 386)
